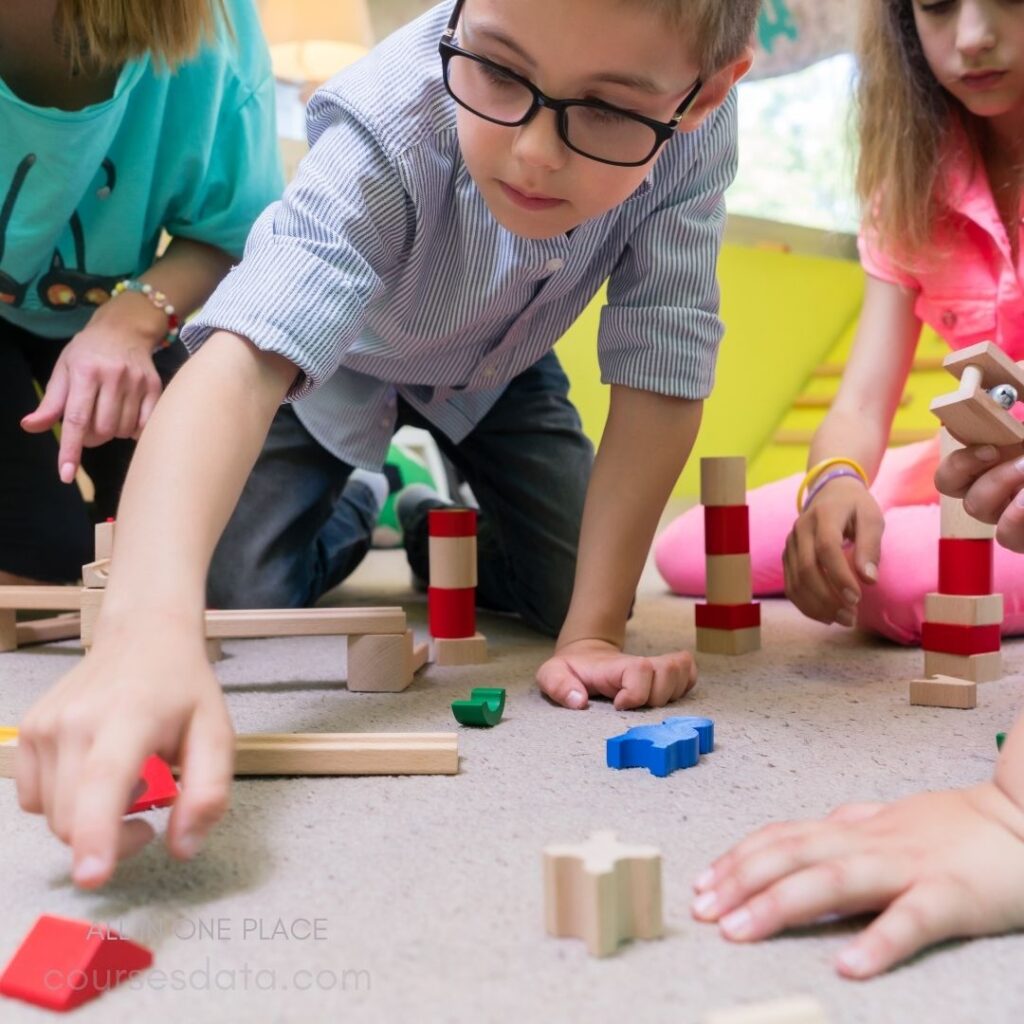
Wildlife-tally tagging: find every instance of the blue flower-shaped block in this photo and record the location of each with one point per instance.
(676, 743)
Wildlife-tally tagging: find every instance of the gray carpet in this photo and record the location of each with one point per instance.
(424, 894)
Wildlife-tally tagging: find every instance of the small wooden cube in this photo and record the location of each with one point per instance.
(944, 692)
(976, 668)
(470, 650)
(729, 579)
(958, 524)
(964, 609)
(728, 641)
(380, 662)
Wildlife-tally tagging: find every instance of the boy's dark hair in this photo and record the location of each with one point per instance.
(719, 29)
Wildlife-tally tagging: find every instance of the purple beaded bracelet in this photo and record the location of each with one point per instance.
(834, 474)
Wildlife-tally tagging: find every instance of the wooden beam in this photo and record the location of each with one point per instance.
(265, 622)
(45, 631)
(43, 599)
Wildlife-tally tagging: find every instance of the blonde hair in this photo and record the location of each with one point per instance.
(905, 121)
(719, 29)
(103, 34)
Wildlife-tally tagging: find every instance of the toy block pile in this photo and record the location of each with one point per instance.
(730, 621)
(961, 632)
(451, 597)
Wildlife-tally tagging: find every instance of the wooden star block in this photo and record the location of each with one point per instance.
(603, 891)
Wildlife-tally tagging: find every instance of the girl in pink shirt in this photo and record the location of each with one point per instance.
(941, 246)
(941, 165)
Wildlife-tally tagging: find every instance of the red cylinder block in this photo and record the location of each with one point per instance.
(965, 566)
(451, 522)
(451, 613)
(726, 529)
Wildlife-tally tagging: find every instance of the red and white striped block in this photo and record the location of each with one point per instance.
(451, 596)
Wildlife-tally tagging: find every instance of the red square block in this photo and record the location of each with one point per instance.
(965, 566)
(161, 789)
(726, 529)
(727, 616)
(965, 640)
(63, 963)
(451, 614)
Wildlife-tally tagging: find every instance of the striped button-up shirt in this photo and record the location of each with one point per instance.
(382, 273)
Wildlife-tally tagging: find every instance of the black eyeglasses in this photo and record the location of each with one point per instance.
(591, 128)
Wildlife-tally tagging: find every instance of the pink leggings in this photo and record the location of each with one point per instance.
(908, 568)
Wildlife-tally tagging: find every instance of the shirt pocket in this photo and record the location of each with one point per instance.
(961, 321)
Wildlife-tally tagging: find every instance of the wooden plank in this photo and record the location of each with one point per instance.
(347, 754)
(266, 622)
(338, 753)
(43, 599)
(49, 630)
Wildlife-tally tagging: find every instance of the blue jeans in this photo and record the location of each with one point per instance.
(298, 530)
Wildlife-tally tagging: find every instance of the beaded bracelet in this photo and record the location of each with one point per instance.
(815, 471)
(824, 478)
(131, 284)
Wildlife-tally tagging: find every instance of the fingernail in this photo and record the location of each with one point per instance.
(67, 472)
(190, 844)
(705, 904)
(845, 618)
(737, 925)
(854, 960)
(90, 868)
(704, 879)
(575, 699)
(871, 571)
(850, 596)
(986, 453)
(1019, 500)
(1019, 465)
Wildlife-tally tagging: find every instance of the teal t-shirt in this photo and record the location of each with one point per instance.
(84, 195)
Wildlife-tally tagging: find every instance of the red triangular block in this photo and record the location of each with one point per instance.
(63, 963)
(161, 789)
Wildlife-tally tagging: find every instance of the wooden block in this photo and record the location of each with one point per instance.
(729, 579)
(8, 629)
(969, 413)
(727, 616)
(469, 650)
(977, 668)
(428, 753)
(944, 692)
(380, 663)
(104, 540)
(95, 574)
(419, 655)
(42, 598)
(49, 630)
(264, 622)
(728, 641)
(958, 524)
(92, 600)
(214, 651)
(726, 529)
(792, 1010)
(452, 562)
(941, 636)
(347, 754)
(723, 481)
(965, 566)
(964, 610)
(603, 891)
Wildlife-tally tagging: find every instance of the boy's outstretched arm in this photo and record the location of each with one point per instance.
(646, 443)
(146, 687)
(935, 865)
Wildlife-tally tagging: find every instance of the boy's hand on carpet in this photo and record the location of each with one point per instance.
(586, 668)
(81, 747)
(936, 865)
(823, 575)
(991, 482)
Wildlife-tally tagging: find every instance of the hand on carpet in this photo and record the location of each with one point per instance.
(935, 865)
(586, 668)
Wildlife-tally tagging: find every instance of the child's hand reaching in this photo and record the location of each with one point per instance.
(937, 866)
(820, 579)
(585, 668)
(104, 384)
(81, 747)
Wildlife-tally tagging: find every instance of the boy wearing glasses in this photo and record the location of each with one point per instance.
(457, 211)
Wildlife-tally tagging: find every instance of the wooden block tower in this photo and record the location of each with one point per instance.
(730, 621)
(961, 631)
(451, 598)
